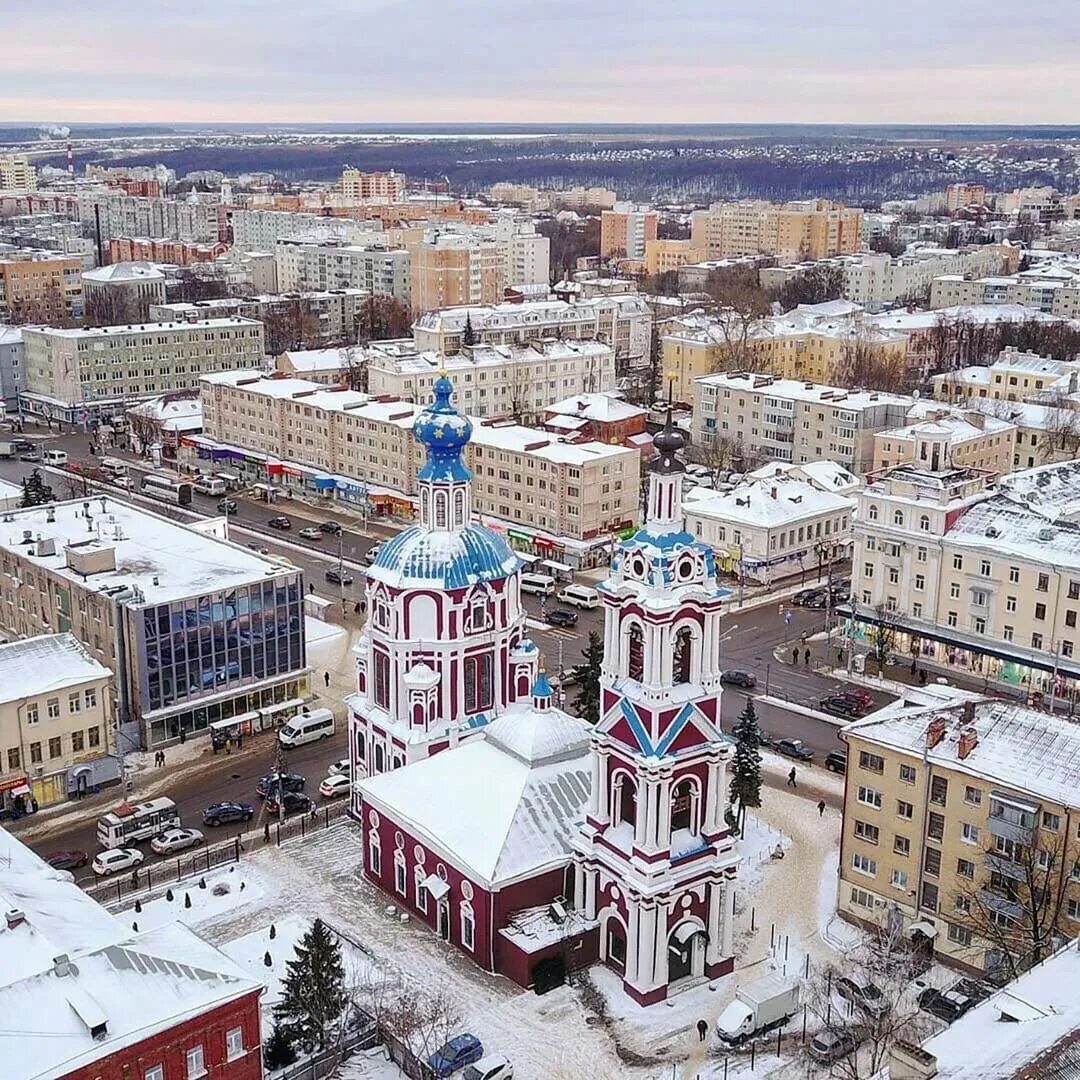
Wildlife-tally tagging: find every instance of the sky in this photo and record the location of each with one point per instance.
(601, 61)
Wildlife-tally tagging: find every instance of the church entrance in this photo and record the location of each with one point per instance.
(686, 952)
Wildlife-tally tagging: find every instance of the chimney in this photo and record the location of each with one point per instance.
(967, 711)
(908, 1062)
(935, 732)
(61, 965)
(772, 492)
(14, 917)
(969, 739)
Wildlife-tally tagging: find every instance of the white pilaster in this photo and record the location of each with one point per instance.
(579, 886)
(646, 965)
(713, 796)
(663, 837)
(727, 935)
(660, 946)
(603, 810)
(714, 950)
(632, 919)
(595, 796)
(590, 894)
(643, 817)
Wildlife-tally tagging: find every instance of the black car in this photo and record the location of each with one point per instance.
(836, 761)
(793, 748)
(223, 813)
(856, 701)
(843, 707)
(818, 602)
(272, 783)
(802, 599)
(295, 802)
(67, 860)
(947, 1005)
(338, 577)
(561, 617)
(332, 527)
(738, 678)
(977, 991)
(280, 522)
(227, 506)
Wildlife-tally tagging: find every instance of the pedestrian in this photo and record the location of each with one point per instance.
(806, 657)
(326, 677)
(183, 737)
(821, 808)
(795, 655)
(914, 666)
(356, 608)
(311, 588)
(266, 832)
(239, 740)
(363, 606)
(314, 811)
(791, 779)
(922, 677)
(702, 1030)
(228, 746)
(839, 657)
(91, 449)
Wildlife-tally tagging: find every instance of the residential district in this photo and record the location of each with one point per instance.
(528, 633)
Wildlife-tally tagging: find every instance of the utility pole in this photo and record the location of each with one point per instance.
(341, 568)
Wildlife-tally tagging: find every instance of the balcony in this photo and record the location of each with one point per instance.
(1006, 867)
(1000, 905)
(1007, 830)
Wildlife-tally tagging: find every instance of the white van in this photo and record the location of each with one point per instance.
(540, 584)
(580, 596)
(210, 485)
(307, 727)
(54, 457)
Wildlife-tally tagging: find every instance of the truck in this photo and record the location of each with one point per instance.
(760, 1006)
(8, 448)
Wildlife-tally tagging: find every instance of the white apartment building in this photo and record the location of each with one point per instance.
(762, 418)
(518, 380)
(17, 173)
(1053, 289)
(76, 374)
(120, 214)
(260, 230)
(1013, 376)
(526, 252)
(555, 499)
(585, 198)
(322, 266)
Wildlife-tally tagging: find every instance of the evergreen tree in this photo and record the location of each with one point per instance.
(35, 491)
(469, 336)
(587, 675)
(313, 990)
(279, 1050)
(746, 765)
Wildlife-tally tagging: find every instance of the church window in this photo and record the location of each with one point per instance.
(478, 614)
(683, 652)
(382, 680)
(459, 509)
(440, 509)
(684, 806)
(468, 926)
(625, 800)
(478, 683)
(636, 654)
(399, 872)
(374, 854)
(616, 943)
(421, 890)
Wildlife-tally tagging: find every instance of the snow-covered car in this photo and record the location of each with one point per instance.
(172, 840)
(335, 785)
(340, 766)
(116, 859)
(492, 1067)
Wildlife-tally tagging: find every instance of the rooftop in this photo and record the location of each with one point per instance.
(767, 503)
(49, 662)
(141, 328)
(603, 408)
(124, 271)
(817, 393)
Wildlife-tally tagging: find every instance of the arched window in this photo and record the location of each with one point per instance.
(459, 508)
(626, 800)
(635, 662)
(399, 872)
(380, 758)
(898, 517)
(468, 925)
(478, 683)
(374, 854)
(872, 513)
(924, 523)
(684, 806)
(425, 505)
(684, 645)
(382, 680)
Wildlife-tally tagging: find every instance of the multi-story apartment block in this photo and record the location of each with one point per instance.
(12, 365)
(1013, 376)
(972, 439)
(119, 214)
(381, 186)
(957, 196)
(625, 231)
(585, 198)
(323, 266)
(41, 287)
(450, 269)
(523, 195)
(55, 722)
(74, 374)
(761, 418)
(817, 229)
(518, 380)
(260, 230)
(122, 293)
(17, 173)
(1053, 289)
(557, 499)
(969, 578)
(527, 254)
(667, 256)
(961, 830)
(195, 628)
(175, 252)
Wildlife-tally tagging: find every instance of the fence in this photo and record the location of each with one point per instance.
(322, 1064)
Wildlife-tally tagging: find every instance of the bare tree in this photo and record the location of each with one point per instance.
(1061, 439)
(109, 307)
(382, 317)
(743, 305)
(883, 635)
(717, 454)
(866, 363)
(354, 372)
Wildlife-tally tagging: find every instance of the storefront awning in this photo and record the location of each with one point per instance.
(525, 557)
(558, 567)
(12, 783)
(436, 886)
(926, 929)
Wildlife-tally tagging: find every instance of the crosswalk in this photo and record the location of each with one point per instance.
(560, 632)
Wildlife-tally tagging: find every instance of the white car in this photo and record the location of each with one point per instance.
(335, 785)
(342, 766)
(109, 862)
(492, 1067)
(176, 840)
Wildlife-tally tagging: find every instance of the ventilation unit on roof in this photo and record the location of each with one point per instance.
(1046, 534)
(992, 531)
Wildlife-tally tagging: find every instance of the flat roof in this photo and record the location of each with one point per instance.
(48, 662)
(141, 328)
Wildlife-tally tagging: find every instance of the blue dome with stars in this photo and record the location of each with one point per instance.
(444, 432)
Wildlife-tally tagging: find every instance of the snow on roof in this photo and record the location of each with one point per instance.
(605, 408)
(124, 271)
(999, 526)
(818, 393)
(1025, 749)
(824, 474)
(318, 359)
(408, 359)
(908, 321)
(48, 662)
(498, 817)
(1051, 491)
(930, 418)
(144, 328)
(173, 413)
(164, 559)
(10, 335)
(767, 503)
(1019, 1025)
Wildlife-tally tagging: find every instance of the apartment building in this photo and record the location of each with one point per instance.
(129, 249)
(960, 829)
(971, 439)
(1015, 375)
(971, 578)
(555, 499)
(452, 269)
(119, 214)
(55, 723)
(793, 232)
(585, 198)
(260, 230)
(323, 266)
(957, 196)
(122, 292)
(518, 380)
(17, 174)
(667, 256)
(365, 186)
(523, 195)
(196, 629)
(761, 418)
(1053, 289)
(766, 530)
(526, 254)
(625, 230)
(12, 365)
(40, 286)
(72, 375)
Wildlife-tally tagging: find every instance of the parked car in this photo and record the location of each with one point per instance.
(857, 693)
(341, 767)
(828, 1046)
(122, 482)
(801, 599)
(67, 860)
(818, 602)
(227, 506)
(109, 862)
(947, 1005)
(561, 617)
(836, 761)
(864, 994)
(460, 1051)
(335, 785)
(280, 522)
(331, 527)
(492, 1067)
(977, 991)
(835, 705)
(793, 748)
(223, 813)
(310, 532)
(30, 455)
(295, 802)
(272, 783)
(175, 840)
(738, 678)
(338, 576)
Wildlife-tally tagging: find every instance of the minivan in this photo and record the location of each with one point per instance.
(54, 457)
(307, 727)
(210, 485)
(580, 596)
(540, 584)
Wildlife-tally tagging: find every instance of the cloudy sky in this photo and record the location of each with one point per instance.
(386, 61)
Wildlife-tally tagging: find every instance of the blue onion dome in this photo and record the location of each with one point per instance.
(444, 432)
(444, 560)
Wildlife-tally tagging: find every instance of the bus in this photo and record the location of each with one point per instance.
(167, 488)
(113, 467)
(126, 824)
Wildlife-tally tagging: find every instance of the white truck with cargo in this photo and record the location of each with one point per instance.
(759, 1007)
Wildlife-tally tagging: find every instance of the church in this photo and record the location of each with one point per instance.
(519, 833)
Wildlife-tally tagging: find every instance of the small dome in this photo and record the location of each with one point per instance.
(444, 432)
(448, 560)
(669, 443)
(539, 736)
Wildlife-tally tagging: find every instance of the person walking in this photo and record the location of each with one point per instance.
(702, 1030)
(266, 832)
(821, 808)
(326, 677)
(806, 657)
(228, 746)
(791, 779)
(795, 655)
(356, 608)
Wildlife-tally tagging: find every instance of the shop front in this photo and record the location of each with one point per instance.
(16, 798)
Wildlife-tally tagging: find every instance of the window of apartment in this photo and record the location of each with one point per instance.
(907, 774)
(1073, 908)
(873, 512)
(869, 797)
(234, 1043)
(894, 576)
(90, 698)
(984, 568)
(935, 826)
(868, 570)
(951, 618)
(1036, 641)
(77, 743)
(74, 703)
(865, 831)
(905, 810)
(1051, 821)
(969, 833)
(929, 898)
(924, 523)
(863, 864)
(196, 1063)
(898, 879)
(965, 868)
(959, 935)
(861, 898)
(962, 902)
(932, 861)
(1040, 612)
(978, 624)
(53, 708)
(871, 762)
(35, 753)
(973, 796)
(920, 582)
(1043, 583)
(939, 790)
(1010, 603)
(1007, 632)
(55, 749)
(13, 758)
(155, 1072)
(901, 845)
(920, 554)
(916, 610)
(1014, 574)
(954, 591)
(32, 713)
(958, 562)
